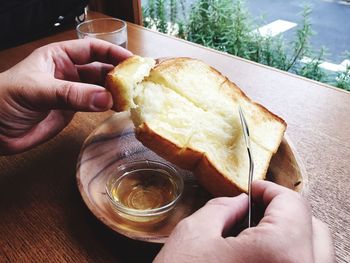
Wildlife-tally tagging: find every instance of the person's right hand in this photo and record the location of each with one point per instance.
(287, 233)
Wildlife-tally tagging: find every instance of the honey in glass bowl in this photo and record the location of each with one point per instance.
(144, 191)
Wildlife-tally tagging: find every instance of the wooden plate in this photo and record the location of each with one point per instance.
(114, 143)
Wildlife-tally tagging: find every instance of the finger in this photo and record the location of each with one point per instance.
(322, 242)
(55, 122)
(53, 93)
(265, 191)
(220, 214)
(84, 51)
(94, 73)
(284, 208)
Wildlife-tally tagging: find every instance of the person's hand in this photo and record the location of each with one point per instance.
(286, 233)
(39, 95)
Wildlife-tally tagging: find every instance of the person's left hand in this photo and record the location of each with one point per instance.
(39, 95)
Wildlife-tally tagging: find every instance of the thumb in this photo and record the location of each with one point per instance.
(75, 96)
(220, 214)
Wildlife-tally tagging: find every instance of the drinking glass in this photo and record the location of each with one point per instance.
(109, 29)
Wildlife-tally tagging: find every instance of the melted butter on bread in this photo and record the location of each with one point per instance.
(187, 112)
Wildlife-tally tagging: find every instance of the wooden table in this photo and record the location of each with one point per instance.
(42, 215)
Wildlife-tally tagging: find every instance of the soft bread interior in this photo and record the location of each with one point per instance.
(191, 105)
(213, 92)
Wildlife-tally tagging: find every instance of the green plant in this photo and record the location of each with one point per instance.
(242, 40)
(301, 46)
(227, 26)
(148, 14)
(342, 80)
(182, 30)
(209, 23)
(161, 21)
(312, 68)
(154, 16)
(164, 16)
(173, 11)
(271, 51)
(152, 9)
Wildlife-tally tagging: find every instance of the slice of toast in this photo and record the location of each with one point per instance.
(187, 112)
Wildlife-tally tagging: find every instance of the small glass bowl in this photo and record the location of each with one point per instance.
(144, 191)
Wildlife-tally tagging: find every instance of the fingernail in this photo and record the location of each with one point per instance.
(102, 100)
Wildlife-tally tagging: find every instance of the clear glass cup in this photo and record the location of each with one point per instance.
(112, 30)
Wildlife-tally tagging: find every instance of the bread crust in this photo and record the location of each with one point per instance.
(243, 95)
(120, 103)
(116, 86)
(214, 181)
(261, 107)
(205, 172)
(185, 158)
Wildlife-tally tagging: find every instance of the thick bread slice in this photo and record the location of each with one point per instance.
(187, 112)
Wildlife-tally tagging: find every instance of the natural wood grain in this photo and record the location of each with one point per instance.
(42, 215)
(113, 143)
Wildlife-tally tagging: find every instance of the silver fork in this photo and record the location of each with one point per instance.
(251, 163)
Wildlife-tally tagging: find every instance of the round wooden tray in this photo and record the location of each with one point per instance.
(114, 143)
